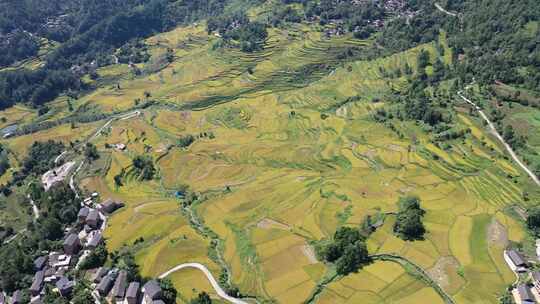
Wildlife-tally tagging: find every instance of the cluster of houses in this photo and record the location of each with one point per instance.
(113, 285)
(52, 268)
(523, 293)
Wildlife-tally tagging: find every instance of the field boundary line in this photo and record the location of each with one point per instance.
(421, 272)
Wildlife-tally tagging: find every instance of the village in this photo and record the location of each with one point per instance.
(526, 289)
(107, 285)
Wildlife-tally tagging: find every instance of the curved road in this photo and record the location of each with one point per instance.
(221, 293)
(501, 139)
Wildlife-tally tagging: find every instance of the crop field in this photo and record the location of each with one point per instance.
(294, 154)
(295, 177)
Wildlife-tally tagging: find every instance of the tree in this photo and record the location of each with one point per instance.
(168, 291)
(347, 250)
(82, 296)
(90, 151)
(52, 297)
(533, 220)
(422, 61)
(144, 167)
(202, 298)
(50, 229)
(509, 133)
(123, 259)
(41, 157)
(409, 224)
(96, 258)
(353, 257)
(118, 180)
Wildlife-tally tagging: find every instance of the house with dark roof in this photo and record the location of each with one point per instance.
(151, 291)
(40, 263)
(523, 295)
(65, 286)
(99, 274)
(37, 283)
(94, 239)
(17, 297)
(83, 213)
(120, 285)
(105, 285)
(109, 206)
(132, 293)
(72, 244)
(515, 261)
(92, 219)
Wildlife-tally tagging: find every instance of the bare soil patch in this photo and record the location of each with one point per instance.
(439, 271)
(497, 234)
(271, 224)
(310, 254)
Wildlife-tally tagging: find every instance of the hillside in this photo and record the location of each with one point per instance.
(300, 151)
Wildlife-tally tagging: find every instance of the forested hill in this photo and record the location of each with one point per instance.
(492, 39)
(87, 30)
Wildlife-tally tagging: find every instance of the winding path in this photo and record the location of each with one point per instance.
(221, 293)
(501, 139)
(34, 208)
(120, 117)
(440, 8)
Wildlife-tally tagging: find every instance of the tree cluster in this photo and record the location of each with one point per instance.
(144, 167)
(41, 157)
(347, 250)
(409, 225)
(88, 31)
(533, 220)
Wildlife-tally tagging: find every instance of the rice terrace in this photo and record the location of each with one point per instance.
(270, 151)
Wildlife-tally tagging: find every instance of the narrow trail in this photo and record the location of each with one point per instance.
(406, 263)
(440, 8)
(501, 139)
(98, 131)
(72, 179)
(108, 123)
(221, 293)
(35, 209)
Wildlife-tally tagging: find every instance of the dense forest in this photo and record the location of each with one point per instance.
(488, 45)
(89, 30)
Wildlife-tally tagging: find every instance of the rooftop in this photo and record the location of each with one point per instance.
(536, 276)
(524, 293)
(516, 257)
(152, 289)
(133, 290)
(119, 289)
(72, 239)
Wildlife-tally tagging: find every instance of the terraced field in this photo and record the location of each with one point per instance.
(294, 154)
